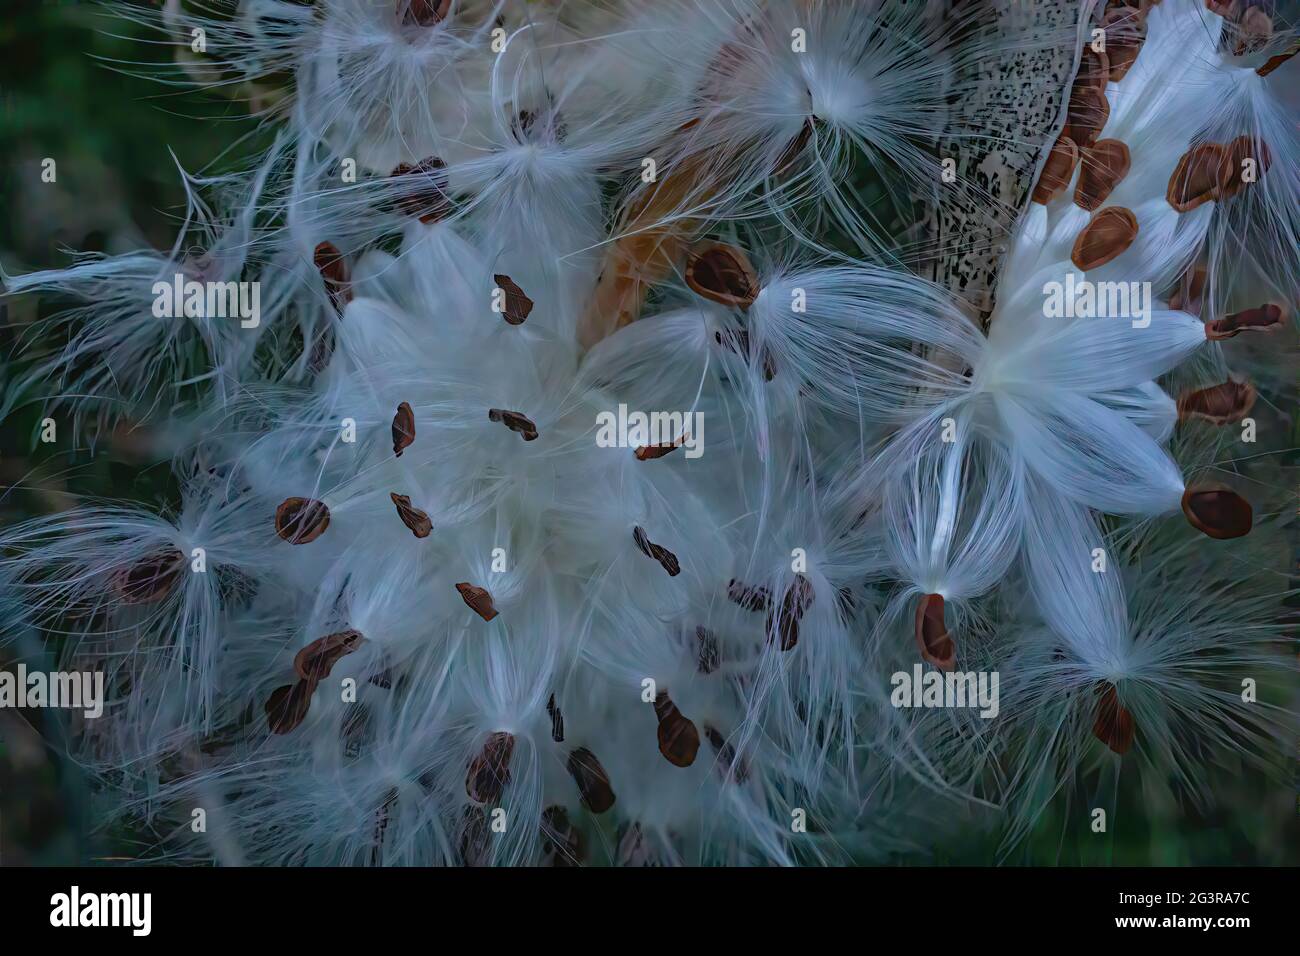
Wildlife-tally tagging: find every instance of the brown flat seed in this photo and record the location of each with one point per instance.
(515, 421)
(517, 305)
(592, 780)
(1113, 725)
(1217, 512)
(667, 560)
(1086, 114)
(403, 429)
(1219, 404)
(1104, 165)
(729, 767)
(301, 520)
(932, 636)
(333, 269)
(651, 452)
(1234, 163)
(722, 274)
(412, 517)
(1056, 171)
(1274, 62)
(1195, 179)
(478, 599)
(1094, 68)
(1108, 233)
(429, 201)
(785, 622)
(679, 741)
(557, 720)
(151, 578)
(287, 706)
(489, 772)
(750, 598)
(315, 661)
(1265, 318)
(562, 843)
(426, 13)
(1126, 30)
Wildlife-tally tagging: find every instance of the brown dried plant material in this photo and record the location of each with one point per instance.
(1105, 164)
(1113, 725)
(1223, 404)
(301, 520)
(1094, 68)
(412, 517)
(426, 13)
(517, 305)
(557, 720)
(754, 598)
(722, 274)
(287, 706)
(562, 843)
(315, 661)
(333, 269)
(729, 766)
(1086, 115)
(151, 578)
(1274, 62)
(478, 599)
(430, 201)
(1108, 233)
(1218, 513)
(784, 621)
(1252, 32)
(679, 741)
(667, 560)
(1241, 154)
(403, 429)
(652, 452)
(1195, 180)
(1056, 171)
(932, 637)
(515, 421)
(489, 772)
(1265, 318)
(592, 780)
(1126, 30)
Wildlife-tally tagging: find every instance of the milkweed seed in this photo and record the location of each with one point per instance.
(478, 599)
(722, 274)
(592, 780)
(403, 429)
(1217, 512)
(1108, 233)
(517, 305)
(667, 560)
(412, 517)
(489, 772)
(301, 520)
(1219, 404)
(151, 578)
(932, 637)
(679, 741)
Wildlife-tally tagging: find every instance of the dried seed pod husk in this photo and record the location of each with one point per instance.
(315, 661)
(667, 560)
(478, 599)
(1113, 725)
(1108, 233)
(517, 305)
(426, 13)
(1232, 165)
(515, 421)
(562, 843)
(679, 741)
(722, 273)
(1195, 180)
(592, 780)
(403, 429)
(557, 720)
(1056, 171)
(1223, 404)
(1218, 513)
(1086, 115)
(1104, 165)
(1126, 30)
(301, 520)
(1265, 318)
(333, 269)
(430, 203)
(932, 637)
(151, 578)
(489, 772)
(287, 706)
(756, 598)
(415, 519)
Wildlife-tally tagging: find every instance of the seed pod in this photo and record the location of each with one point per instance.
(333, 269)
(1107, 234)
(489, 772)
(151, 578)
(1086, 115)
(478, 599)
(301, 520)
(679, 741)
(707, 657)
(1126, 30)
(755, 598)
(1113, 725)
(667, 560)
(1057, 171)
(1232, 165)
(1266, 318)
(722, 274)
(1219, 404)
(932, 636)
(557, 720)
(515, 421)
(517, 305)
(562, 843)
(1195, 180)
(1104, 165)
(1217, 512)
(426, 13)
(403, 429)
(287, 706)
(315, 661)
(415, 519)
(592, 780)
(430, 201)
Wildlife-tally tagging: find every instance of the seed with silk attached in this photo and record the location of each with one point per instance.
(1195, 179)
(1265, 318)
(315, 661)
(1126, 29)
(1056, 171)
(301, 520)
(931, 633)
(517, 305)
(1107, 234)
(1113, 725)
(403, 429)
(150, 579)
(287, 706)
(679, 741)
(489, 772)
(333, 269)
(1218, 512)
(1219, 404)
(1241, 154)
(1104, 165)
(428, 198)
(722, 274)
(412, 517)
(1086, 115)
(592, 780)
(515, 421)
(478, 599)
(667, 560)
